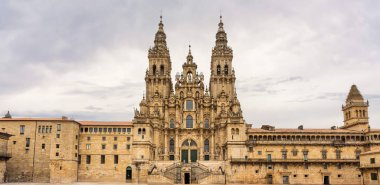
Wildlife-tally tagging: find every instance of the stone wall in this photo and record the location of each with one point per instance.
(36, 142)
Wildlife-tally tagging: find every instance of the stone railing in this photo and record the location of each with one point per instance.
(369, 165)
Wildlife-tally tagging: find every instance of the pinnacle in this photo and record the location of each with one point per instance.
(354, 94)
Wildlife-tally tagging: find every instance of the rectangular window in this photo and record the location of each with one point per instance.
(207, 157)
(39, 129)
(374, 176)
(115, 146)
(76, 154)
(22, 129)
(189, 105)
(109, 129)
(119, 130)
(79, 159)
(103, 138)
(373, 161)
(81, 129)
(295, 152)
(269, 157)
(115, 138)
(284, 155)
(103, 146)
(128, 138)
(88, 146)
(324, 154)
(129, 130)
(43, 146)
(56, 145)
(95, 129)
(128, 147)
(91, 129)
(56, 154)
(338, 154)
(305, 155)
(104, 130)
(259, 152)
(114, 129)
(88, 159)
(58, 127)
(100, 130)
(76, 147)
(102, 159)
(85, 129)
(124, 130)
(88, 138)
(171, 157)
(58, 136)
(115, 159)
(27, 144)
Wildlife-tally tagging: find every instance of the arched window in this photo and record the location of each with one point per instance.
(250, 137)
(360, 113)
(129, 173)
(181, 94)
(189, 122)
(364, 113)
(207, 146)
(207, 124)
(171, 124)
(189, 76)
(357, 115)
(162, 69)
(218, 70)
(171, 145)
(232, 131)
(154, 69)
(139, 131)
(226, 69)
(143, 131)
(237, 131)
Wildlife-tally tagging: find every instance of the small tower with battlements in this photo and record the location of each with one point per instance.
(355, 111)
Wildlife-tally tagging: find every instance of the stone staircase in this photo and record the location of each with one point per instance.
(198, 172)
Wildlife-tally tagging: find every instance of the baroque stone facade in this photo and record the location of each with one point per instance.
(188, 133)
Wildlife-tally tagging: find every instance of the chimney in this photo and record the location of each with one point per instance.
(300, 127)
(333, 128)
(64, 118)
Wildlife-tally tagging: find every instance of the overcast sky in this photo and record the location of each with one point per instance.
(295, 61)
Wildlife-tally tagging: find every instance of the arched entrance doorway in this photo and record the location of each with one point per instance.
(189, 151)
(128, 175)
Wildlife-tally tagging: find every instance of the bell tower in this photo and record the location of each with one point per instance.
(355, 111)
(222, 74)
(157, 77)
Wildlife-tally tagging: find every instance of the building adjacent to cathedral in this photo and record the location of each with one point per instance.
(187, 133)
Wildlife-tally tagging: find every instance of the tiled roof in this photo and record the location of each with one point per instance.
(34, 119)
(113, 123)
(286, 130)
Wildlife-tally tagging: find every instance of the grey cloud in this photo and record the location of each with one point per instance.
(284, 54)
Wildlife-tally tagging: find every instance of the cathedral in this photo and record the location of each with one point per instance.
(187, 133)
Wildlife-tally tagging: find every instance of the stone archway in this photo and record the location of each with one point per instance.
(189, 151)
